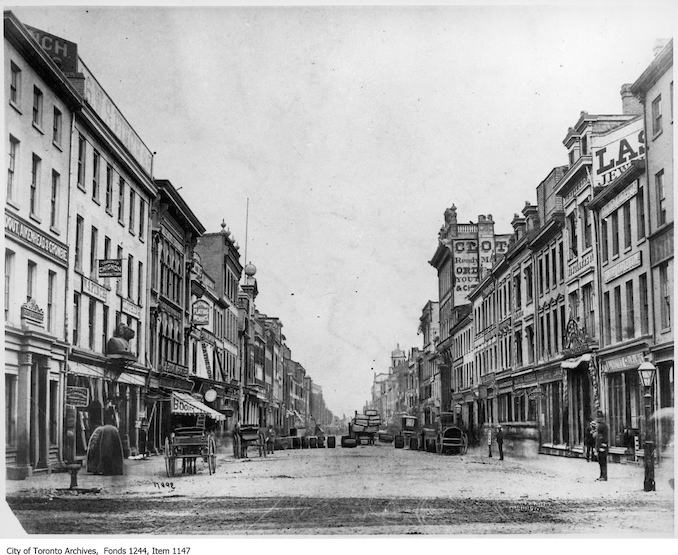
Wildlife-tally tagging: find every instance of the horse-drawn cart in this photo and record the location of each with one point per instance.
(452, 440)
(246, 436)
(191, 437)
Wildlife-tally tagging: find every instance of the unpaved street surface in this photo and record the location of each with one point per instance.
(368, 490)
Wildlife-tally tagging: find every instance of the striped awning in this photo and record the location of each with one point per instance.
(183, 403)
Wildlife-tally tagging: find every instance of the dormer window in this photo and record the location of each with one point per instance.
(571, 157)
(584, 145)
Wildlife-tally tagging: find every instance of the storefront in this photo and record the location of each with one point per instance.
(551, 422)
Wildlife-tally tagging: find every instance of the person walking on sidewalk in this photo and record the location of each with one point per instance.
(601, 446)
(489, 441)
(500, 442)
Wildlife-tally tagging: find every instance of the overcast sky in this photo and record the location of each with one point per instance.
(351, 130)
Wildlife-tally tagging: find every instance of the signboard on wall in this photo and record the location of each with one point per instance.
(613, 152)
(470, 256)
(77, 396)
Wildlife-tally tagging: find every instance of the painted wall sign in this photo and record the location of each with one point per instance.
(613, 152)
(470, 255)
(110, 268)
(35, 239)
(200, 313)
(620, 199)
(77, 396)
(623, 266)
(93, 289)
(581, 265)
(106, 109)
(63, 52)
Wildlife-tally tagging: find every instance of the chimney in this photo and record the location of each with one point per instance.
(518, 224)
(630, 104)
(530, 213)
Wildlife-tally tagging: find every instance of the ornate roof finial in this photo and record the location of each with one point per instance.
(223, 226)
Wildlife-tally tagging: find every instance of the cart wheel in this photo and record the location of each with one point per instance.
(211, 456)
(170, 461)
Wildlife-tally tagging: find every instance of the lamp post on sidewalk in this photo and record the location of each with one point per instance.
(647, 372)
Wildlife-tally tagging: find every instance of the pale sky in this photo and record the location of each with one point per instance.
(351, 130)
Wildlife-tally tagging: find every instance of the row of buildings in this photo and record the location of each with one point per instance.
(548, 324)
(117, 302)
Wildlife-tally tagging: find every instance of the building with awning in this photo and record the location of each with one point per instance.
(184, 403)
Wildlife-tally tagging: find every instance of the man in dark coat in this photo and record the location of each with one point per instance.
(500, 442)
(602, 445)
(590, 441)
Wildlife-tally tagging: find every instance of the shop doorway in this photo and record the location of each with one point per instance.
(39, 428)
(581, 403)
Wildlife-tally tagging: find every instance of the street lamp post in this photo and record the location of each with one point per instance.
(647, 372)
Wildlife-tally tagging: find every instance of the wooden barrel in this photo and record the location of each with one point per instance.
(313, 442)
(399, 442)
(304, 442)
(414, 443)
(296, 443)
(348, 441)
(331, 442)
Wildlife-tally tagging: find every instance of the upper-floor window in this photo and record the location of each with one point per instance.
(661, 197)
(121, 200)
(15, 85)
(96, 170)
(82, 151)
(572, 232)
(584, 145)
(657, 115)
(54, 199)
(626, 213)
(603, 239)
(79, 225)
(586, 224)
(35, 183)
(11, 166)
(109, 188)
(56, 127)
(665, 287)
(30, 279)
(37, 106)
(640, 210)
(570, 156)
(615, 233)
(132, 202)
(142, 218)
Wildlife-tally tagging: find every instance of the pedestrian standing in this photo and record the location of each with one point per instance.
(489, 441)
(601, 446)
(500, 442)
(270, 440)
(590, 441)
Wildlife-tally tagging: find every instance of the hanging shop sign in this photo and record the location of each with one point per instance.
(26, 233)
(77, 396)
(110, 268)
(200, 313)
(210, 395)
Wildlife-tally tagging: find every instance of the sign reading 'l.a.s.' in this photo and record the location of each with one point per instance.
(614, 151)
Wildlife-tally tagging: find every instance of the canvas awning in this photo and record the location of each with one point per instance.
(571, 363)
(183, 403)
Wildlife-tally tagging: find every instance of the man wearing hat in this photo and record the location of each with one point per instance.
(601, 446)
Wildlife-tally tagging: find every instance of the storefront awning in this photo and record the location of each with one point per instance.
(574, 362)
(183, 403)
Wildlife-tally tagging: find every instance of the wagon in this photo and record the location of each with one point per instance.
(191, 437)
(452, 440)
(247, 436)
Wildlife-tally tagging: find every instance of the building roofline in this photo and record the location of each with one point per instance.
(660, 65)
(166, 189)
(21, 38)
